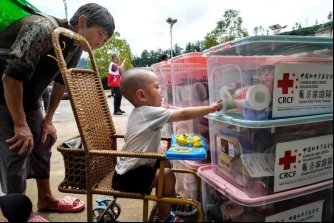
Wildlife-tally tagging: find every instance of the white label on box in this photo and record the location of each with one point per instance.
(303, 162)
(231, 149)
(259, 164)
(306, 213)
(302, 89)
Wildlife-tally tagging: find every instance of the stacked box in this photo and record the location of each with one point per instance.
(223, 202)
(190, 88)
(274, 156)
(275, 131)
(265, 77)
(163, 72)
(186, 184)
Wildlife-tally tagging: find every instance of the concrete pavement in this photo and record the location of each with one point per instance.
(66, 128)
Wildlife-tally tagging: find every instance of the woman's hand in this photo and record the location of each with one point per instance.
(48, 129)
(22, 139)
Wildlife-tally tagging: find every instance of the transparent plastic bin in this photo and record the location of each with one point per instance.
(198, 126)
(186, 183)
(267, 157)
(265, 77)
(163, 72)
(12, 10)
(190, 80)
(223, 202)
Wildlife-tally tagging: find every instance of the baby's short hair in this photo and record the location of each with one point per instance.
(132, 80)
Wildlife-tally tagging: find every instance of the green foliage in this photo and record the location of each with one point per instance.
(308, 31)
(194, 47)
(210, 40)
(115, 45)
(227, 29)
(147, 58)
(330, 16)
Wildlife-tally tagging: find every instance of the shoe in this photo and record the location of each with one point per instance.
(118, 113)
(37, 218)
(67, 204)
(183, 209)
(171, 218)
(121, 111)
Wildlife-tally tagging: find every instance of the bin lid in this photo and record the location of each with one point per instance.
(240, 197)
(272, 45)
(195, 164)
(192, 57)
(270, 122)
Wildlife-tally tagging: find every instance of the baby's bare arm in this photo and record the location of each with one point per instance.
(183, 114)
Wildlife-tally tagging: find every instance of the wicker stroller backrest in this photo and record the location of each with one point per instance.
(90, 109)
(87, 98)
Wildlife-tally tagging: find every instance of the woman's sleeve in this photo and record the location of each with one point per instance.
(33, 41)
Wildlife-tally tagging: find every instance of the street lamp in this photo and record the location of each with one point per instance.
(276, 28)
(171, 22)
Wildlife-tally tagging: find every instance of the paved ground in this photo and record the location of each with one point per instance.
(66, 127)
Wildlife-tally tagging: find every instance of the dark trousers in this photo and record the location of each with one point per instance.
(117, 99)
(46, 99)
(15, 169)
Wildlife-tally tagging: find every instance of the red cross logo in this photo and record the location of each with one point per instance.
(287, 160)
(285, 84)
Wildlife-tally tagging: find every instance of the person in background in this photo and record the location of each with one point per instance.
(164, 57)
(26, 136)
(114, 78)
(141, 88)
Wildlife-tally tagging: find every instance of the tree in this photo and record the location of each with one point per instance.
(256, 30)
(115, 45)
(194, 47)
(177, 50)
(210, 40)
(330, 16)
(227, 29)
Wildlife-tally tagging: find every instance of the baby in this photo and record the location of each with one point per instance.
(141, 88)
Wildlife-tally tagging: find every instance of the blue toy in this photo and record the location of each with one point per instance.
(103, 213)
(187, 147)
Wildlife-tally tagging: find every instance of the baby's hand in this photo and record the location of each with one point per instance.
(217, 106)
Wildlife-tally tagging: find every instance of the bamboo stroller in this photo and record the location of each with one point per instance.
(90, 170)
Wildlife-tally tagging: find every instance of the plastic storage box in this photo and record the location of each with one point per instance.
(223, 202)
(198, 126)
(190, 80)
(267, 157)
(186, 184)
(190, 88)
(163, 72)
(265, 77)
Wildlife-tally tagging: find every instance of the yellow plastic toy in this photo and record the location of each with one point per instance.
(189, 140)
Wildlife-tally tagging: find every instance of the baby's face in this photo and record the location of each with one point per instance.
(153, 92)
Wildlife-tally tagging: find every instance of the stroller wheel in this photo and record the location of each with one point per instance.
(117, 208)
(98, 215)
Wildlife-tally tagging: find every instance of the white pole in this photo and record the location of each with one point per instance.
(171, 42)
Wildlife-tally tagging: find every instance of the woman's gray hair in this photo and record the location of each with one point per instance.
(95, 15)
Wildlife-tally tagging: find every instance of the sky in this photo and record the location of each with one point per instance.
(142, 23)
